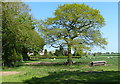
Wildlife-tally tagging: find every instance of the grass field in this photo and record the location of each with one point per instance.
(76, 74)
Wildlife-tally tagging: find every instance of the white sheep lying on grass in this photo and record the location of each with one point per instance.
(53, 59)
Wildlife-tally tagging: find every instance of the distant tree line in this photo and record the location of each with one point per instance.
(106, 53)
(63, 52)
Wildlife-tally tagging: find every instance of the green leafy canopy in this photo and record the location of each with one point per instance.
(76, 26)
(73, 22)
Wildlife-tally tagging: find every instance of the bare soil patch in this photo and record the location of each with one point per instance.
(42, 63)
(4, 73)
(49, 63)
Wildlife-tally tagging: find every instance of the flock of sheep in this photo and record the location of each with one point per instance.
(85, 58)
(95, 58)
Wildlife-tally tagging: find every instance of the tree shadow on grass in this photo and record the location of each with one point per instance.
(51, 64)
(77, 77)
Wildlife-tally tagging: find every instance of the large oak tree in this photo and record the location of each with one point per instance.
(74, 25)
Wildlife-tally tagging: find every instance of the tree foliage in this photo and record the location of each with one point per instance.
(75, 25)
(60, 51)
(18, 32)
(45, 52)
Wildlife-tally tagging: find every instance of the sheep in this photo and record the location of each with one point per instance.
(74, 61)
(51, 59)
(54, 59)
(111, 57)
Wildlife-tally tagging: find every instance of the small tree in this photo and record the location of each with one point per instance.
(61, 50)
(65, 53)
(45, 52)
(56, 52)
(112, 53)
(98, 53)
(108, 53)
(94, 54)
(50, 53)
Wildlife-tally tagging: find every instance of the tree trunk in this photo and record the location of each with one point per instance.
(69, 60)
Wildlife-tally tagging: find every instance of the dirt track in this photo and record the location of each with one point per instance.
(4, 73)
(42, 63)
